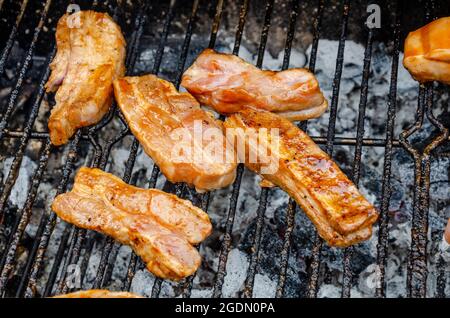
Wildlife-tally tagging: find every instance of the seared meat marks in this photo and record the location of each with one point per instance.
(160, 227)
(228, 84)
(176, 132)
(98, 293)
(340, 213)
(427, 52)
(447, 232)
(91, 54)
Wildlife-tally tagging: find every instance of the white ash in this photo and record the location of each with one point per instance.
(167, 290)
(264, 287)
(235, 273)
(48, 193)
(117, 164)
(202, 293)
(51, 250)
(19, 191)
(329, 291)
(142, 283)
(120, 267)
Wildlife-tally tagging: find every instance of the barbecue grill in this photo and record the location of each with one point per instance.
(42, 256)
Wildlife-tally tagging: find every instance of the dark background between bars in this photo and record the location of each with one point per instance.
(27, 47)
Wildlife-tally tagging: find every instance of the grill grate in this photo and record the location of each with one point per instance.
(74, 241)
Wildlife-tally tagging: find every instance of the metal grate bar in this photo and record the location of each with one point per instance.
(100, 158)
(256, 244)
(18, 155)
(178, 188)
(27, 270)
(100, 161)
(356, 168)
(341, 141)
(6, 264)
(313, 283)
(417, 266)
(11, 38)
(42, 246)
(111, 248)
(78, 237)
(105, 276)
(235, 192)
(216, 24)
(41, 242)
(205, 198)
(424, 98)
(23, 70)
(240, 28)
(386, 188)
(8, 257)
(422, 101)
(18, 232)
(226, 242)
(292, 205)
(109, 243)
(159, 53)
(24, 215)
(414, 152)
(156, 289)
(87, 255)
(337, 80)
(107, 259)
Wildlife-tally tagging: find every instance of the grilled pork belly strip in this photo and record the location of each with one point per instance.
(427, 52)
(341, 214)
(90, 55)
(160, 227)
(228, 84)
(98, 293)
(156, 113)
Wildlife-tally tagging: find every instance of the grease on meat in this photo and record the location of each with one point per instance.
(98, 293)
(340, 213)
(228, 84)
(90, 55)
(427, 52)
(169, 124)
(160, 227)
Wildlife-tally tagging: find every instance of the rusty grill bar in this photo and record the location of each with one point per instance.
(73, 240)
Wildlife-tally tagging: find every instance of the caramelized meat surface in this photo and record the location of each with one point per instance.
(228, 84)
(98, 293)
(160, 227)
(185, 141)
(427, 52)
(90, 55)
(340, 213)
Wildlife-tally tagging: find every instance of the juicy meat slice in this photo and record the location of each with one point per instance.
(427, 52)
(447, 232)
(298, 166)
(98, 293)
(185, 141)
(90, 55)
(228, 84)
(160, 227)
